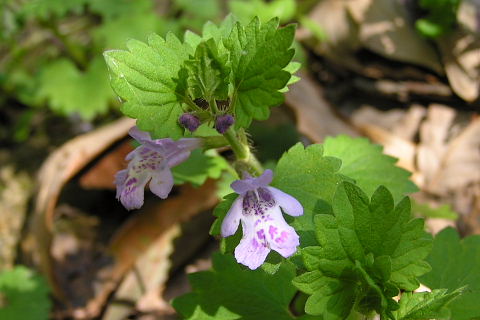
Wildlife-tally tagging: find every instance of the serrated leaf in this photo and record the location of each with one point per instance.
(230, 292)
(330, 297)
(425, 305)
(456, 263)
(379, 228)
(68, 90)
(310, 177)
(258, 55)
(368, 166)
(199, 167)
(370, 243)
(23, 295)
(211, 31)
(144, 76)
(208, 72)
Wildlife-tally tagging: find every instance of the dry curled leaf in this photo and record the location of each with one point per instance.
(58, 169)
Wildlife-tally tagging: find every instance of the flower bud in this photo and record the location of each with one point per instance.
(223, 122)
(189, 121)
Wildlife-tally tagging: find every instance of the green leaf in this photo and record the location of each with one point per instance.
(444, 211)
(68, 90)
(258, 55)
(23, 295)
(144, 77)
(329, 296)
(368, 166)
(208, 72)
(456, 264)
(231, 292)
(369, 246)
(383, 230)
(199, 167)
(426, 305)
(310, 177)
(211, 31)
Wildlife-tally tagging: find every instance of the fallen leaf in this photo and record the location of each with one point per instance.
(58, 169)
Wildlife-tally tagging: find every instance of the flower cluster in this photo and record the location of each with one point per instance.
(257, 206)
(151, 162)
(264, 228)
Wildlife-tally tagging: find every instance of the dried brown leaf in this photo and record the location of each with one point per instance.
(57, 170)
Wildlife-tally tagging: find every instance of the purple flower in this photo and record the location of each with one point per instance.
(223, 122)
(151, 162)
(264, 228)
(189, 121)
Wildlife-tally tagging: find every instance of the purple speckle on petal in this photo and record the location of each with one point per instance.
(131, 181)
(283, 237)
(272, 231)
(261, 234)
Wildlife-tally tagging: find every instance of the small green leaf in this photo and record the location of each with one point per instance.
(199, 167)
(368, 166)
(230, 292)
(258, 55)
(456, 264)
(208, 72)
(144, 77)
(23, 295)
(426, 305)
(68, 90)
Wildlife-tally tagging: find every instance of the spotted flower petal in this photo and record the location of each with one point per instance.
(151, 163)
(263, 225)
